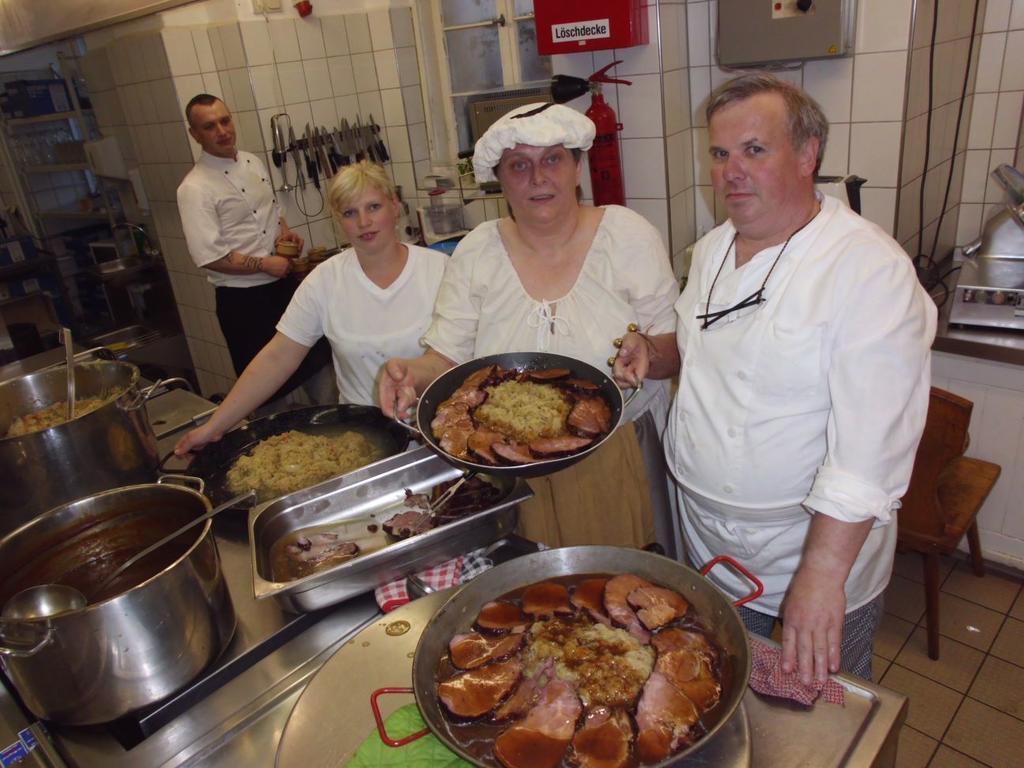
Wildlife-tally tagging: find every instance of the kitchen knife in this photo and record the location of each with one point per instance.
(339, 147)
(382, 151)
(351, 141)
(365, 145)
(325, 150)
(309, 156)
(294, 146)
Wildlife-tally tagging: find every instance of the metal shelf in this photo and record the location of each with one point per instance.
(52, 117)
(56, 167)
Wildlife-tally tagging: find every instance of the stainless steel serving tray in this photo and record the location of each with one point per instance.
(354, 502)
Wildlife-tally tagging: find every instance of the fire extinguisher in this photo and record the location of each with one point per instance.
(604, 157)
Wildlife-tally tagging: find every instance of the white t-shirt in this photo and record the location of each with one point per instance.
(365, 324)
(229, 205)
(483, 309)
(812, 402)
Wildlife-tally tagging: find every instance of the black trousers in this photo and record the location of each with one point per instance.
(248, 319)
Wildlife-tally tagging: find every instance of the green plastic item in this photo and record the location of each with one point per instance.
(426, 752)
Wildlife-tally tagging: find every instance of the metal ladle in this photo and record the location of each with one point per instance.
(69, 358)
(43, 601)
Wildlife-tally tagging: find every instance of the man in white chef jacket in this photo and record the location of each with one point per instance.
(804, 337)
(232, 222)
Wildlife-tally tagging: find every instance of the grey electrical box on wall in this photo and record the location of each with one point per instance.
(766, 31)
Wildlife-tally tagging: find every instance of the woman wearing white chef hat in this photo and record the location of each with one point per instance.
(556, 276)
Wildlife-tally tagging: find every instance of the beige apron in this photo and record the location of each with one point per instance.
(604, 499)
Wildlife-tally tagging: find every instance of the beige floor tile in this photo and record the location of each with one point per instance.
(967, 622)
(993, 590)
(892, 634)
(904, 598)
(1000, 684)
(987, 735)
(1018, 607)
(879, 667)
(914, 749)
(956, 666)
(931, 707)
(1009, 643)
(950, 758)
(908, 565)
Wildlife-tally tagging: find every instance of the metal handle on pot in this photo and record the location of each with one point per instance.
(632, 396)
(189, 481)
(380, 720)
(398, 419)
(758, 586)
(16, 652)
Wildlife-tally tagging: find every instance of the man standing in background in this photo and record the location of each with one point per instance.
(232, 224)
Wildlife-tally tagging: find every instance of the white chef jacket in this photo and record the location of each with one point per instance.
(229, 205)
(365, 324)
(812, 402)
(483, 309)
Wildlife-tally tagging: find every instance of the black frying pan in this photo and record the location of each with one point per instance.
(211, 464)
(441, 388)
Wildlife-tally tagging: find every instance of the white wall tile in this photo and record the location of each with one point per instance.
(402, 32)
(883, 25)
(204, 51)
(878, 83)
(640, 107)
(681, 229)
(380, 29)
(642, 59)
(993, 191)
(309, 32)
(370, 104)
(949, 20)
(347, 106)
(250, 137)
(914, 145)
(830, 83)
(408, 66)
(1017, 15)
(234, 53)
(285, 40)
(364, 71)
(917, 89)
(976, 171)
(997, 15)
(879, 205)
(676, 151)
(701, 161)
(335, 35)
(968, 223)
(398, 144)
(318, 82)
(340, 70)
(1008, 119)
(875, 152)
(418, 144)
(217, 47)
(266, 89)
(674, 49)
(325, 114)
(704, 203)
(676, 89)
(574, 64)
(412, 98)
(242, 98)
(837, 151)
(699, 34)
(700, 89)
(983, 115)
(386, 64)
(656, 212)
(358, 28)
(394, 113)
(181, 51)
(1013, 63)
(293, 82)
(166, 101)
(643, 163)
(990, 62)
(256, 41)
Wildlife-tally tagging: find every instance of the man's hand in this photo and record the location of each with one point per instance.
(291, 236)
(278, 266)
(633, 360)
(396, 381)
(812, 625)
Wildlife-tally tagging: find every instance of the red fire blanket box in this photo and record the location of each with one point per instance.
(571, 26)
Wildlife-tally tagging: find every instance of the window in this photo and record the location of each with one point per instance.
(488, 45)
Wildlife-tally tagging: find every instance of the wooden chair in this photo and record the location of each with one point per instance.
(942, 501)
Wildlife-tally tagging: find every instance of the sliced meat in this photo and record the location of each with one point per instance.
(589, 596)
(590, 417)
(447, 413)
(454, 437)
(548, 374)
(552, 447)
(526, 694)
(615, 593)
(513, 453)
(665, 720)
(686, 660)
(580, 386)
(479, 691)
(478, 378)
(321, 546)
(480, 443)
(541, 739)
(502, 617)
(545, 599)
(604, 739)
(406, 524)
(657, 606)
(474, 650)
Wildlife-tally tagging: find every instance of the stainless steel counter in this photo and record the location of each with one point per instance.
(983, 343)
(241, 720)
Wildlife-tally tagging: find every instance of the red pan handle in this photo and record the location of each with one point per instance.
(758, 586)
(380, 720)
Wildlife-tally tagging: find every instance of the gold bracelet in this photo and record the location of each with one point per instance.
(617, 343)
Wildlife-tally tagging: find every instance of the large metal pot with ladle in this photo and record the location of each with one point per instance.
(142, 636)
(111, 446)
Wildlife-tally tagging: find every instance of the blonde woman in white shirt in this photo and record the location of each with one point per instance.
(372, 301)
(556, 276)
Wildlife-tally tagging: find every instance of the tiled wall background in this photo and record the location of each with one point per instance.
(317, 70)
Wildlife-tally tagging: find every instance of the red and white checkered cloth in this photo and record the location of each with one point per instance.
(767, 677)
(447, 574)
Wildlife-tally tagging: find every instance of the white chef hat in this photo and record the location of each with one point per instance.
(550, 125)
